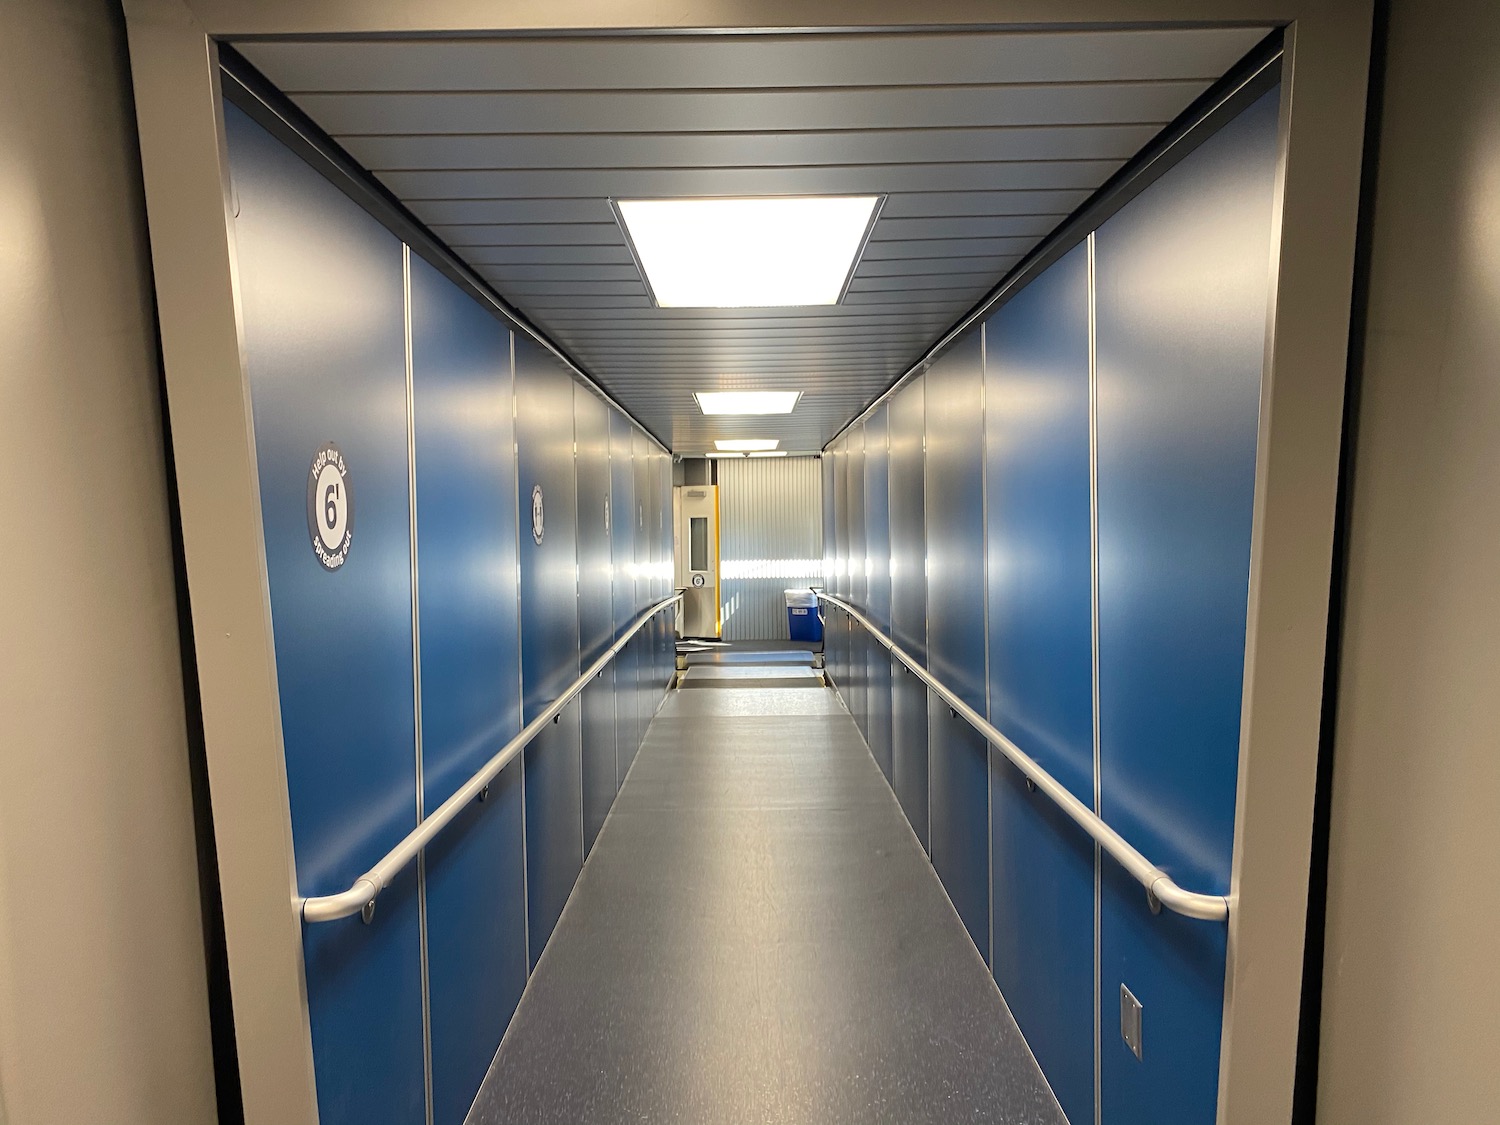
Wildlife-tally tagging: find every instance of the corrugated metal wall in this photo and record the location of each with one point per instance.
(770, 539)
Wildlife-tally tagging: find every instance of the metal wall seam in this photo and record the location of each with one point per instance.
(771, 540)
(609, 541)
(416, 675)
(515, 454)
(583, 751)
(718, 559)
(927, 617)
(1094, 691)
(583, 830)
(989, 749)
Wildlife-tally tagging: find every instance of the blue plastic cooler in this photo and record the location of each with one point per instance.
(803, 622)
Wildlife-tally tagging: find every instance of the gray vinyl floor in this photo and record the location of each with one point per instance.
(758, 938)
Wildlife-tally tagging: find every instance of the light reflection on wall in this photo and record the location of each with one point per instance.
(740, 569)
(786, 573)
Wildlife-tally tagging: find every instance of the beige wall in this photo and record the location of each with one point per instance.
(103, 1010)
(1412, 989)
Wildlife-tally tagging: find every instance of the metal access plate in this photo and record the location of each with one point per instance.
(1130, 1020)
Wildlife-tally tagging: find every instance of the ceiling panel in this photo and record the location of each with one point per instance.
(910, 283)
(758, 111)
(468, 235)
(999, 203)
(803, 179)
(971, 227)
(752, 61)
(981, 142)
(506, 271)
(949, 249)
(417, 152)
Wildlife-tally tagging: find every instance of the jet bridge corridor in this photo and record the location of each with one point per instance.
(758, 936)
(519, 375)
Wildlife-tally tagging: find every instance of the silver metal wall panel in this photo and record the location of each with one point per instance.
(837, 635)
(659, 531)
(645, 520)
(770, 540)
(878, 585)
(825, 463)
(666, 636)
(854, 501)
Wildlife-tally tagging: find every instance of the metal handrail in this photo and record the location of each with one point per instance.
(1161, 889)
(360, 897)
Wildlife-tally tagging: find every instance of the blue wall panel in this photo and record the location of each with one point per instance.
(878, 591)
(1182, 281)
(549, 635)
(1038, 525)
(958, 768)
(595, 606)
(467, 568)
(322, 306)
(622, 568)
(907, 430)
(504, 623)
(1181, 290)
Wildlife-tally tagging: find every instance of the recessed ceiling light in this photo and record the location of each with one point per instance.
(747, 445)
(747, 253)
(722, 456)
(747, 402)
(769, 453)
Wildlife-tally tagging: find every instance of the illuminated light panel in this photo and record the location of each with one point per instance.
(768, 453)
(722, 456)
(746, 445)
(747, 402)
(747, 253)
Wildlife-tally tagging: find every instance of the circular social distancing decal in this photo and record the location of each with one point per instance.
(330, 507)
(538, 515)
